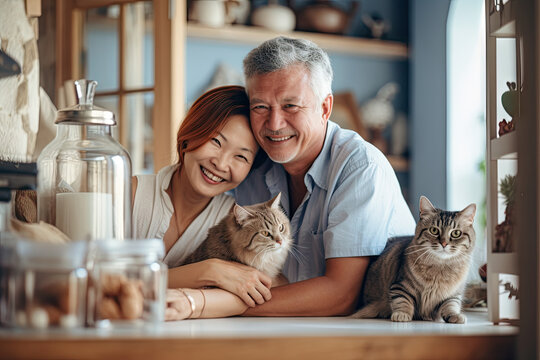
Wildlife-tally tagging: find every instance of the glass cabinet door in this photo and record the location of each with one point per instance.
(115, 43)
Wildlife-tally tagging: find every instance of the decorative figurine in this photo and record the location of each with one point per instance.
(378, 113)
(376, 25)
(509, 101)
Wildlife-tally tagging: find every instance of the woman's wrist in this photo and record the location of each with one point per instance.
(209, 275)
(197, 302)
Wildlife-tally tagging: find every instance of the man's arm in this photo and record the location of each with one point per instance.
(335, 293)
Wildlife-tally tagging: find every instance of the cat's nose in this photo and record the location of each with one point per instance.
(444, 243)
(278, 241)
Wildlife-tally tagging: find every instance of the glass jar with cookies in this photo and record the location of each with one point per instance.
(128, 283)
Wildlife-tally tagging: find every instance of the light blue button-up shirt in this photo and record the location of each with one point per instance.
(353, 203)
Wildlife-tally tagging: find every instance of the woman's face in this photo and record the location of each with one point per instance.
(223, 162)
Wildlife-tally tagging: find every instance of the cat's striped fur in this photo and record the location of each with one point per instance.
(422, 277)
(256, 235)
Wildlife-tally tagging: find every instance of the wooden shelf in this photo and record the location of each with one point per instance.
(503, 263)
(504, 147)
(502, 23)
(254, 35)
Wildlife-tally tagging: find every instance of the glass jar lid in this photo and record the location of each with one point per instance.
(38, 255)
(85, 112)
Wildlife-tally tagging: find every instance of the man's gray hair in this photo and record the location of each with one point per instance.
(282, 52)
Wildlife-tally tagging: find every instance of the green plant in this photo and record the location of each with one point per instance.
(507, 187)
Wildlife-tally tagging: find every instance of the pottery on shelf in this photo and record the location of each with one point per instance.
(275, 17)
(213, 13)
(324, 16)
(378, 113)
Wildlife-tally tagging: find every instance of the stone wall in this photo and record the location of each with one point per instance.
(19, 95)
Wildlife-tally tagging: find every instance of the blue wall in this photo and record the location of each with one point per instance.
(428, 101)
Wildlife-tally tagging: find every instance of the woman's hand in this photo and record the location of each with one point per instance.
(249, 284)
(178, 306)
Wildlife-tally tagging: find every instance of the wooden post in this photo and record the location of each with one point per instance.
(169, 65)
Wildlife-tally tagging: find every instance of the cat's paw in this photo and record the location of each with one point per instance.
(455, 319)
(400, 316)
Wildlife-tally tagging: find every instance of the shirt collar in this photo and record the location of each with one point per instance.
(318, 172)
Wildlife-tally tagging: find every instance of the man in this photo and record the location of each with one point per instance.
(340, 192)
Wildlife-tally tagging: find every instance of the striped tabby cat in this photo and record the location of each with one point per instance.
(423, 277)
(256, 235)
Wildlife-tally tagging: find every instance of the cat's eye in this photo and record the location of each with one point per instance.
(281, 227)
(264, 233)
(455, 234)
(434, 230)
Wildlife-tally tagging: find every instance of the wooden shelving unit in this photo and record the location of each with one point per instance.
(500, 23)
(254, 35)
(502, 19)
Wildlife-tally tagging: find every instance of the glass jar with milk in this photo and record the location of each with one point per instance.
(84, 174)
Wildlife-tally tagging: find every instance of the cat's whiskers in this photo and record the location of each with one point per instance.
(464, 254)
(297, 254)
(422, 248)
(257, 255)
(428, 251)
(265, 250)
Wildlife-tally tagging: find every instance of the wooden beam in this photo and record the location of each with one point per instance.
(169, 62)
(64, 9)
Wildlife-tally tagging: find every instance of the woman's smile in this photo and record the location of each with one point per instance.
(210, 176)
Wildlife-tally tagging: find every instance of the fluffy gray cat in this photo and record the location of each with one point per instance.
(256, 235)
(423, 277)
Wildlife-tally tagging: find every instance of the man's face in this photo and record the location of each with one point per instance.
(286, 118)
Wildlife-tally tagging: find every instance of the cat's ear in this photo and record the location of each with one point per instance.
(426, 206)
(468, 214)
(241, 214)
(274, 203)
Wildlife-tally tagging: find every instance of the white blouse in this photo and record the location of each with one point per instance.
(153, 208)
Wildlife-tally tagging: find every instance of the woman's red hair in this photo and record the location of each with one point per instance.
(208, 115)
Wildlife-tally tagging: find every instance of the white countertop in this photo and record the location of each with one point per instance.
(261, 327)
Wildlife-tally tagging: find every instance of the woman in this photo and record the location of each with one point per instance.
(216, 151)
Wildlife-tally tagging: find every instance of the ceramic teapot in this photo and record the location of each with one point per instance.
(324, 16)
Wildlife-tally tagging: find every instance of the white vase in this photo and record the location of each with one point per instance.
(274, 17)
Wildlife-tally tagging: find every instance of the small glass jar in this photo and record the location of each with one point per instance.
(49, 285)
(129, 282)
